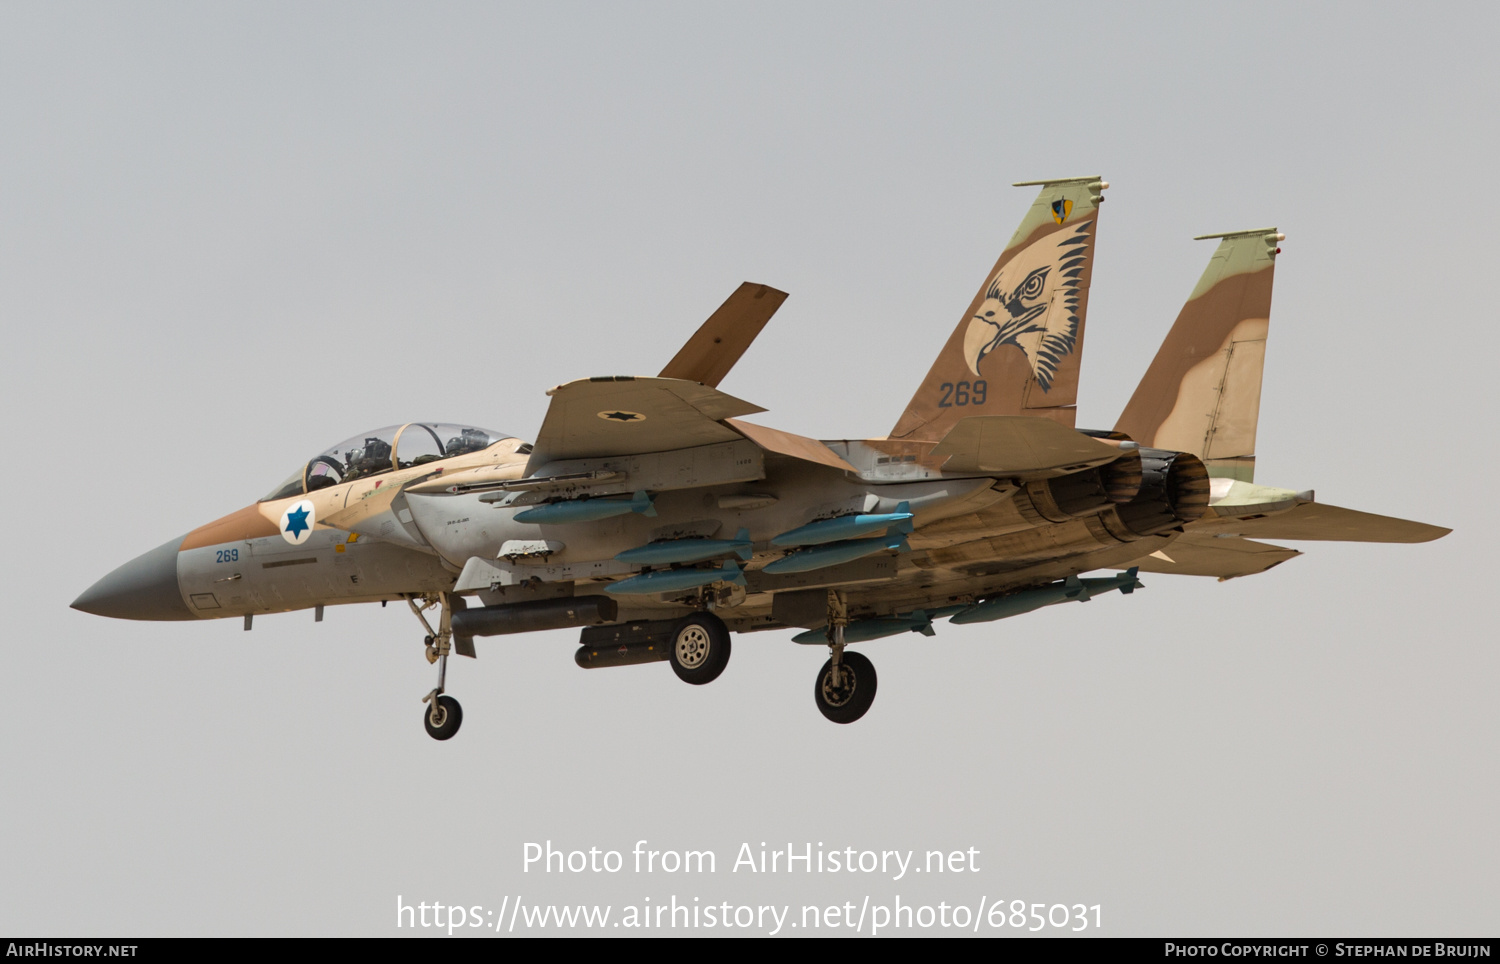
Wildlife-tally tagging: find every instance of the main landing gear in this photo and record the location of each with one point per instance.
(443, 715)
(845, 687)
(699, 648)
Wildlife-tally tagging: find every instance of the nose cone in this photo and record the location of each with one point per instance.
(143, 588)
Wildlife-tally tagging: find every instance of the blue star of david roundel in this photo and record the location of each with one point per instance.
(297, 522)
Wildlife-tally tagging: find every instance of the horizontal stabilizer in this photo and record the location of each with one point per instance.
(1019, 445)
(1319, 522)
(1225, 556)
(724, 337)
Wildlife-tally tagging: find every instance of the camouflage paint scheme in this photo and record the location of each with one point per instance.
(352, 555)
(1005, 494)
(1202, 391)
(1023, 333)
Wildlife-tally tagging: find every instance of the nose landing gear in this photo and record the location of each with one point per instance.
(443, 715)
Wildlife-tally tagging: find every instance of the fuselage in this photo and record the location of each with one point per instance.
(248, 562)
(353, 528)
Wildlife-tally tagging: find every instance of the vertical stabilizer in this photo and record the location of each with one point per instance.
(1017, 349)
(1202, 391)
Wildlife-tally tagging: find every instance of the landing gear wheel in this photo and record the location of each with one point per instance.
(443, 718)
(851, 698)
(700, 648)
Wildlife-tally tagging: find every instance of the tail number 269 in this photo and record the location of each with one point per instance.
(964, 393)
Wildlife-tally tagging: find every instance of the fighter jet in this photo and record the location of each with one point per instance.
(649, 514)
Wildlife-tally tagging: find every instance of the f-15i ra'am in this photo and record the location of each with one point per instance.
(650, 515)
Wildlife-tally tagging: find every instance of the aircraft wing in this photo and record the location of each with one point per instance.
(725, 336)
(1203, 554)
(1318, 522)
(629, 415)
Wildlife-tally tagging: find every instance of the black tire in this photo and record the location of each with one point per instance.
(699, 649)
(856, 692)
(450, 716)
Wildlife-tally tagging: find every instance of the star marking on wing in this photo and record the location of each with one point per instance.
(619, 416)
(296, 522)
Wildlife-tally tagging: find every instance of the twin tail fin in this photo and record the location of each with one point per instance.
(1201, 394)
(1017, 349)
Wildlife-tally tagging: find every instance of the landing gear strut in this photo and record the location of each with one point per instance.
(845, 687)
(443, 715)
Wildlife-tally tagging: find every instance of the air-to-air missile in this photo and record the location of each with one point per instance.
(688, 550)
(586, 510)
(836, 553)
(845, 527)
(675, 580)
(1071, 589)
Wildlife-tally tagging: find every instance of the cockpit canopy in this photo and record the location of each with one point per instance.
(385, 450)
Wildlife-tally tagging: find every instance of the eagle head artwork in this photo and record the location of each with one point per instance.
(1032, 302)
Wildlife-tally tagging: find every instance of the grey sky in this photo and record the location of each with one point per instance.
(232, 234)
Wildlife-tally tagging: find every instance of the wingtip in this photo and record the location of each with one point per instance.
(762, 289)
